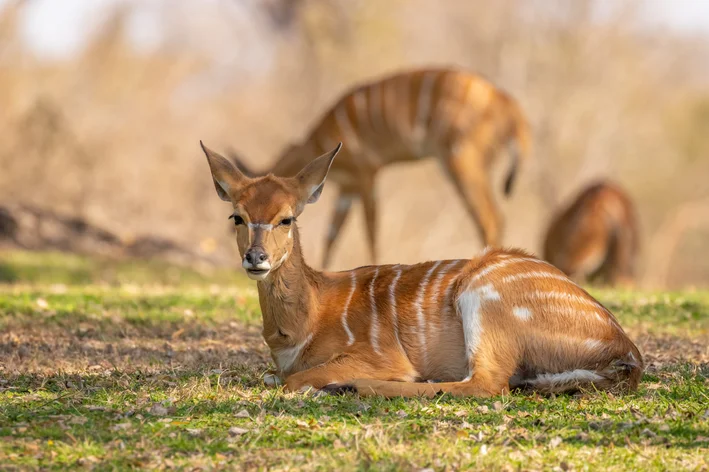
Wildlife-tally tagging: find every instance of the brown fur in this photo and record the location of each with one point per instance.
(463, 119)
(481, 327)
(596, 237)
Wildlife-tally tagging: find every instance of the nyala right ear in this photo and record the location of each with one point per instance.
(311, 180)
(227, 178)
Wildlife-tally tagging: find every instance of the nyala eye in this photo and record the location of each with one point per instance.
(237, 220)
(286, 221)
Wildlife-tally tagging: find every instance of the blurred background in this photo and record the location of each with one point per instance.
(103, 104)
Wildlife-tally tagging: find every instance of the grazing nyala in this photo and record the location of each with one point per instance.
(468, 327)
(595, 237)
(456, 116)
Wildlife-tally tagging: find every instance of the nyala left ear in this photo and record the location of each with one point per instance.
(311, 180)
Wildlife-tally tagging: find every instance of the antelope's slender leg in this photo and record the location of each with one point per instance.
(354, 364)
(369, 203)
(467, 171)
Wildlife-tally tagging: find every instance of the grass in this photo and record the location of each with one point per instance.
(124, 368)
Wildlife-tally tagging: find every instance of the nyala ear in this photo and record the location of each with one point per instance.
(227, 178)
(311, 180)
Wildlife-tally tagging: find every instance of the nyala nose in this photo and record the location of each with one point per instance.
(255, 256)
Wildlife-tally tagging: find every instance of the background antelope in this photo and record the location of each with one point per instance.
(459, 117)
(480, 327)
(596, 236)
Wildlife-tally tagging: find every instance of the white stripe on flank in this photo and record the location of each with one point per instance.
(285, 358)
(592, 344)
(534, 275)
(439, 278)
(440, 121)
(389, 111)
(348, 133)
(578, 375)
(469, 308)
(392, 302)
(449, 288)
(492, 267)
(420, 312)
(374, 328)
(353, 286)
(435, 291)
(569, 310)
(469, 304)
(563, 296)
(523, 313)
(360, 102)
(424, 105)
(404, 118)
(375, 108)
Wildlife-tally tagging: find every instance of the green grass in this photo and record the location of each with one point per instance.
(124, 367)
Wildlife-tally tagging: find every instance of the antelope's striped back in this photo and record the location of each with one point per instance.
(413, 115)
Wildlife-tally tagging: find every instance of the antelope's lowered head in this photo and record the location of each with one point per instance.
(265, 208)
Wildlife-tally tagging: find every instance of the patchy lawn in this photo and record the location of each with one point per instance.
(116, 365)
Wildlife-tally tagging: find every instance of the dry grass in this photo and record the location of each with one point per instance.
(168, 376)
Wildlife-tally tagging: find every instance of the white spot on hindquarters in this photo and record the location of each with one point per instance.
(598, 317)
(285, 358)
(593, 344)
(488, 292)
(419, 310)
(353, 286)
(560, 379)
(271, 380)
(522, 313)
(374, 327)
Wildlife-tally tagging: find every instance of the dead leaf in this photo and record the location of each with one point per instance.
(461, 433)
(78, 420)
(242, 414)
(483, 409)
(42, 303)
(402, 414)
(497, 406)
(555, 441)
(120, 426)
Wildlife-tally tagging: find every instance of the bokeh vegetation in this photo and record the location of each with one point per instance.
(111, 133)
